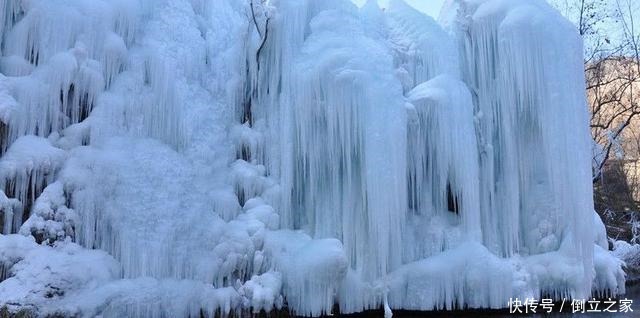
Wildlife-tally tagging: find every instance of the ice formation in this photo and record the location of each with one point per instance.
(201, 157)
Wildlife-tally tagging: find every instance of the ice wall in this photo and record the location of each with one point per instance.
(198, 157)
(351, 187)
(487, 120)
(533, 176)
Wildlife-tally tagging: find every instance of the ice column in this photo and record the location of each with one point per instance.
(522, 62)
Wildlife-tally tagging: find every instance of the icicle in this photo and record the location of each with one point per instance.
(62, 94)
(115, 54)
(533, 136)
(12, 12)
(27, 167)
(125, 20)
(226, 204)
(10, 211)
(347, 190)
(336, 131)
(423, 49)
(37, 31)
(8, 107)
(248, 142)
(249, 180)
(161, 114)
(442, 160)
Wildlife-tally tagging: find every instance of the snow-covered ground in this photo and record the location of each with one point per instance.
(174, 158)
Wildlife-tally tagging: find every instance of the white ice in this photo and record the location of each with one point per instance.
(201, 157)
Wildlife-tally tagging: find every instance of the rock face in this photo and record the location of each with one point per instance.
(198, 157)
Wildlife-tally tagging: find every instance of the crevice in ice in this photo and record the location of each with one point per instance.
(4, 136)
(452, 201)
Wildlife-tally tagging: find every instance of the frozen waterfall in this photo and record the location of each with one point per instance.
(207, 157)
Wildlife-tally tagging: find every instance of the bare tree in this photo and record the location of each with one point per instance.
(611, 83)
(263, 32)
(612, 72)
(260, 18)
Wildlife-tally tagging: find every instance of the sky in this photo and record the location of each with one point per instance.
(430, 7)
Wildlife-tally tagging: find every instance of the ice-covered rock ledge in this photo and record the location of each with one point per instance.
(181, 158)
(630, 255)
